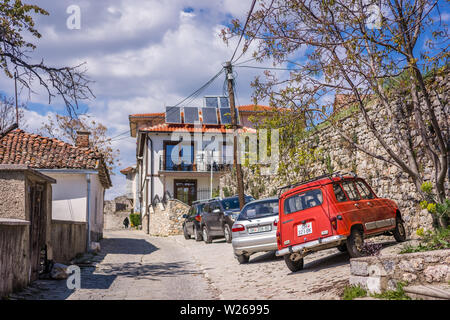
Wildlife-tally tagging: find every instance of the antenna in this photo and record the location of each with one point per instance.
(15, 92)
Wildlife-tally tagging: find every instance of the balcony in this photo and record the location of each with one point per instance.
(201, 163)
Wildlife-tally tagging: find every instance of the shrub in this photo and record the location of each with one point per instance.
(353, 292)
(135, 219)
(398, 294)
(430, 240)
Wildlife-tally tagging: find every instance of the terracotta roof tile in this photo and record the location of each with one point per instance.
(19, 147)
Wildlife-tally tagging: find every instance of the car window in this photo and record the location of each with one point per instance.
(350, 189)
(339, 193)
(233, 203)
(259, 209)
(200, 208)
(206, 208)
(364, 191)
(214, 206)
(303, 201)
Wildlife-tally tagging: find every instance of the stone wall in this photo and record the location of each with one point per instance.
(68, 239)
(332, 153)
(14, 261)
(167, 220)
(378, 274)
(115, 211)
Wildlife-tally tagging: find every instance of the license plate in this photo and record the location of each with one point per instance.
(303, 229)
(259, 229)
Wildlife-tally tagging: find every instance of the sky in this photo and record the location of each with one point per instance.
(142, 55)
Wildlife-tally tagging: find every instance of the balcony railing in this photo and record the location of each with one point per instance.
(200, 164)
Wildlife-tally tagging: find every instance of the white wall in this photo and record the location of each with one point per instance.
(69, 196)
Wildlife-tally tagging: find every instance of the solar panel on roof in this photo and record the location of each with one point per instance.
(211, 102)
(209, 115)
(173, 115)
(191, 115)
(224, 103)
(225, 115)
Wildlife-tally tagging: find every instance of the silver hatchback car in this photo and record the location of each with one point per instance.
(255, 229)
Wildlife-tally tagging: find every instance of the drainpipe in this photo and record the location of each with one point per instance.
(151, 182)
(88, 211)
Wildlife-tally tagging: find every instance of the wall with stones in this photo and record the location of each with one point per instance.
(167, 220)
(68, 238)
(333, 153)
(378, 274)
(115, 211)
(12, 195)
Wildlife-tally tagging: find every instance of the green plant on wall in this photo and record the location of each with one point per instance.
(439, 211)
(135, 219)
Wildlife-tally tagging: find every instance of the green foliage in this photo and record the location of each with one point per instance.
(353, 292)
(398, 294)
(430, 240)
(227, 192)
(427, 187)
(216, 192)
(135, 219)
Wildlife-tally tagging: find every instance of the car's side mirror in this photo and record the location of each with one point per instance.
(216, 211)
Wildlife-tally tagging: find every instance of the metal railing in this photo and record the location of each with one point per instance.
(200, 164)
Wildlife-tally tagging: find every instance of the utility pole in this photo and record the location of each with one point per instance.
(237, 164)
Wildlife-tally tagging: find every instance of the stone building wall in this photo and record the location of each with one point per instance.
(115, 211)
(167, 220)
(333, 153)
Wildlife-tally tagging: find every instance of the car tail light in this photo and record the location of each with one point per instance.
(237, 228)
(334, 223)
(275, 223)
(198, 218)
(278, 239)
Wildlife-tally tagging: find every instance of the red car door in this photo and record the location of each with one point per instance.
(346, 205)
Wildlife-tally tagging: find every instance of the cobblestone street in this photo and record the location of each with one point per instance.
(132, 265)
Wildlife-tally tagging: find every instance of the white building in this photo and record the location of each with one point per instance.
(80, 173)
(181, 156)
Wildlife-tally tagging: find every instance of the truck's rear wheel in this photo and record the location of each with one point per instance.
(355, 243)
(399, 231)
(293, 265)
(206, 237)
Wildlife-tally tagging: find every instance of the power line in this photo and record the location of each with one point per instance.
(243, 30)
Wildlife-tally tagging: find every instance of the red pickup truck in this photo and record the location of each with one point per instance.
(332, 211)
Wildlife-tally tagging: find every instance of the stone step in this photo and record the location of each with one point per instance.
(428, 292)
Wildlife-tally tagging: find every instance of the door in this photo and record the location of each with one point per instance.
(38, 222)
(215, 219)
(185, 190)
(359, 210)
(304, 219)
(381, 213)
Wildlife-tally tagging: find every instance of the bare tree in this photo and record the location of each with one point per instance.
(65, 128)
(8, 112)
(380, 61)
(69, 83)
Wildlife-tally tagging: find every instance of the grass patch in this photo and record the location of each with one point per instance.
(430, 240)
(353, 292)
(398, 294)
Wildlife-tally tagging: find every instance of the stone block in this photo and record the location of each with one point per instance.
(437, 273)
(409, 277)
(358, 268)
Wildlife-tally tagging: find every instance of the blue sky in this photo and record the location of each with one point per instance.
(141, 55)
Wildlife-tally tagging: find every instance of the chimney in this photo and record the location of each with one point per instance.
(82, 139)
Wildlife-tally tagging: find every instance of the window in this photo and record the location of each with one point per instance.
(364, 190)
(339, 193)
(350, 189)
(256, 210)
(303, 201)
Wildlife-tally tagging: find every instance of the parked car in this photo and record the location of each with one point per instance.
(255, 229)
(191, 224)
(218, 217)
(333, 211)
